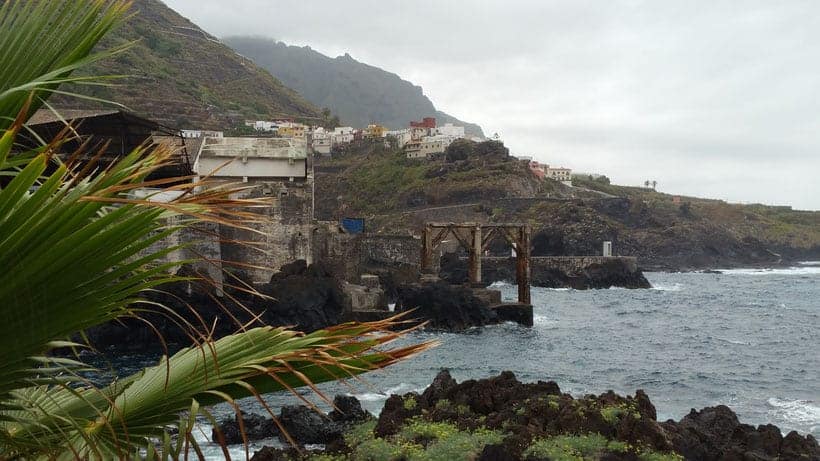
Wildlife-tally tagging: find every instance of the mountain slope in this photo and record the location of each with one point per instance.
(182, 76)
(358, 93)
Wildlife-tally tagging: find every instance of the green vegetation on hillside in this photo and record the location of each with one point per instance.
(374, 179)
(183, 77)
(776, 224)
(478, 184)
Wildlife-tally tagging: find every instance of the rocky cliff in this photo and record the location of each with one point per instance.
(358, 93)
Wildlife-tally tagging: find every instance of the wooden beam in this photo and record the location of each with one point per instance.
(475, 255)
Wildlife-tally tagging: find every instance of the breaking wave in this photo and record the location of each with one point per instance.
(672, 287)
(801, 270)
(800, 412)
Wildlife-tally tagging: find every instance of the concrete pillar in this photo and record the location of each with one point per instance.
(475, 254)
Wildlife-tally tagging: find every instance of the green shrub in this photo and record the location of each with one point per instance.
(410, 403)
(462, 445)
(572, 447)
(384, 450)
(360, 433)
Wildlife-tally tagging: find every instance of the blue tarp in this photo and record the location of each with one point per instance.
(353, 225)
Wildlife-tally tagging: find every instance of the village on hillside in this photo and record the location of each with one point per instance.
(422, 139)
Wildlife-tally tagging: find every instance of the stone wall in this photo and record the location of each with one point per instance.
(337, 251)
(199, 242)
(579, 272)
(391, 249)
(281, 235)
(345, 255)
(576, 264)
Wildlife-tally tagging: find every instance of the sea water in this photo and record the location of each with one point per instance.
(749, 339)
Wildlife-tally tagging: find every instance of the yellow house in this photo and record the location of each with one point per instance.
(293, 131)
(374, 131)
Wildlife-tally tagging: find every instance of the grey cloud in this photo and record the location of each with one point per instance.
(711, 96)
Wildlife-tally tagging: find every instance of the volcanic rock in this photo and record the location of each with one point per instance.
(445, 306)
(256, 427)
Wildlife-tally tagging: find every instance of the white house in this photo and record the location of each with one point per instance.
(402, 136)
(321, 141)
(563, 175)
(424, 148)
(201, 133)
(449, 130)
(342, 135)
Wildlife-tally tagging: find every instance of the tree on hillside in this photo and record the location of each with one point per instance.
(460, 149)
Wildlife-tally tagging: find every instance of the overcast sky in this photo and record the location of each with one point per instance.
(716, 98)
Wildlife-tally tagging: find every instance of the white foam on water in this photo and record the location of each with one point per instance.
(402, 388)
(500, 285)
(734, 341)
(802, 270)
(809, 263)
(802, 412)
(673, 287)
(213, 450)
(543, 320)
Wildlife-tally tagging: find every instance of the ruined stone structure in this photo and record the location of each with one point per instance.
(345, 255)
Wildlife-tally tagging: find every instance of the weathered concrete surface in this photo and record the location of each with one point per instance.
(199, 243)
(282, 236)
(360, 297)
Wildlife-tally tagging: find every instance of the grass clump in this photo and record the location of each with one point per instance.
(573, 447)
(410, 403)
(419, 440)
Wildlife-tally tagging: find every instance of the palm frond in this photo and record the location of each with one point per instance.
(80, 247)
(134, 411)
(45, 42)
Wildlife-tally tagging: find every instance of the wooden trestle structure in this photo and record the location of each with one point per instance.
(475, 238)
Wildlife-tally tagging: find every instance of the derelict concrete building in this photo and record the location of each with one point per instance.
(279, 170)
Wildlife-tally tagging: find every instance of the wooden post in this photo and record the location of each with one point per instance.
(523, 264)
(475, 254)
(426, 248)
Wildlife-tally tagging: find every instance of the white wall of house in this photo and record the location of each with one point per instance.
(448, 129)
(424, 149)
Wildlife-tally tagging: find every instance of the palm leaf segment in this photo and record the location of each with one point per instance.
(78, 251)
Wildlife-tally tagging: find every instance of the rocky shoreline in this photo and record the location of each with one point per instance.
(500, 418)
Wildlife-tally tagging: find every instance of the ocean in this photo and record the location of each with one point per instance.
(749, 339)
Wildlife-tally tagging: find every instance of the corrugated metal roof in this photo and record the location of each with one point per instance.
(254, 148)
(49, 116)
